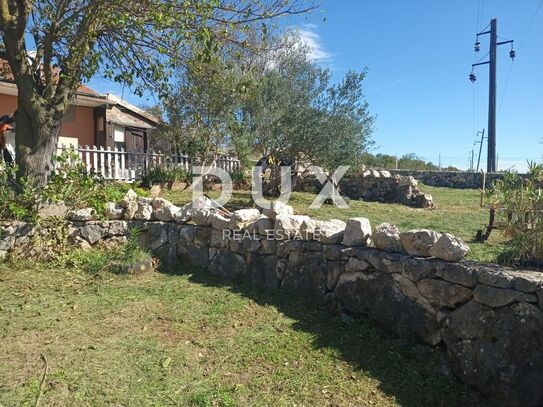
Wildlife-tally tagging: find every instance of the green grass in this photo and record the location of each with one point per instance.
(458, 212)
(185, 339)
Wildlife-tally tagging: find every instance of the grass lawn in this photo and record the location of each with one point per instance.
(458, 212)
(183, 338)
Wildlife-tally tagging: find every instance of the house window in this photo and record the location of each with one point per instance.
(119, 137)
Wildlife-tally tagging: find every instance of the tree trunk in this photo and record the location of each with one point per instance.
(36, 139)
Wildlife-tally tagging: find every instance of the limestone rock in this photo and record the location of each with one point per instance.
(425, 201)
(262, 226)
(376, 293)
(497, 279)
(243, 217)
(228, 264)
(219, 221)
(385, 174)
(495, 297)
(268, 247)
(201, 216)
(144, 200)
(417, 268)
(497, 351)
(130, 210)
(355, 264)
(130, 196)
(333, 271)
(183, 215)
(306, 272)
(114, 211)
(165, 213)
(92, 233)
(387, 237)
(117, 228)
(418, 242)
(449, 248)
(144, 212)
(357, 232)
(328, 232)
(277, 209)
(288, 226)
(83, 215)
(335, 252)
(52, 209)
(159, 203)
(458, 273)
(443, 293)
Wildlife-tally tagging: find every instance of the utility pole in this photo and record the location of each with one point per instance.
(472, 159)
(492, 62)
(491, 155)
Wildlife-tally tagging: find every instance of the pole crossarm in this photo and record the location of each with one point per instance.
(505, 42)
(481, 63)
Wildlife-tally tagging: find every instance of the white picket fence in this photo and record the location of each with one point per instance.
(117, 164)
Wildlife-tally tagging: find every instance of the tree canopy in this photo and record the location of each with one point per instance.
(278, 102)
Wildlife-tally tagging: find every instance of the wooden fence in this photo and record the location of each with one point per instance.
(117, 164)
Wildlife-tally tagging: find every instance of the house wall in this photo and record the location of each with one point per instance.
(77, 123)
(8, 104)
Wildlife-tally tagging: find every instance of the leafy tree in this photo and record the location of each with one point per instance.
(297, 112)
(406, 162)
(203, 106)
(137, 43)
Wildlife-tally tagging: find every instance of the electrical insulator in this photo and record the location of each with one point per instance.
(477, 46)
(512, 54)
(472, 77)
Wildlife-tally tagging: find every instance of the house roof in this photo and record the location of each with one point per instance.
(88, 97)
(124, 105)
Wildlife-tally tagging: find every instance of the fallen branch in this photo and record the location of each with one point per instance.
(42, 384)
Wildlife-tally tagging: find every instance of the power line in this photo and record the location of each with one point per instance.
(530, 25)
(534, 16)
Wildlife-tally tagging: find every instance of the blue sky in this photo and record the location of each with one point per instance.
(419, 54)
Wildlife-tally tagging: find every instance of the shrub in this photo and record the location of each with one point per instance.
(97, 260)
(69, 183)
(241, 178)
(165, 173)
(518, 204)
(18, 199)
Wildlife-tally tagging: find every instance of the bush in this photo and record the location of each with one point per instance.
(98, 260)
(18, 199)
(518, 204)
(241, 178)
(166, 173)
(69, 183)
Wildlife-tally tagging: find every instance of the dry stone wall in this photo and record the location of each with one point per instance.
(487, 318)
(374, 186)
(450, 179)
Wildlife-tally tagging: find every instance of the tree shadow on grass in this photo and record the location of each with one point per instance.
(413, 374)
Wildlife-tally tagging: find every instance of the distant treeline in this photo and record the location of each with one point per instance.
(405, 162)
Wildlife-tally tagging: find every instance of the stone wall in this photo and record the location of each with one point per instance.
(450, 179)
(374, 186)
(488, 319)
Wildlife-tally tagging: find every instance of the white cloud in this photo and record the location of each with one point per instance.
(313, 42)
